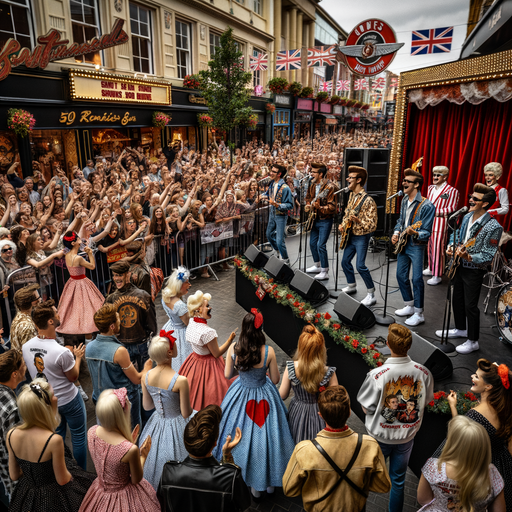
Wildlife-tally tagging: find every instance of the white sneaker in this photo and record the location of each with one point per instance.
(286, 261)
(427, 272)
(369, 300)
(415, 319)
(405, 311)
(349, 290)
(314, 269)
(467, 347)
(434, 280)
(83, 393)
(324, 275)
(452, 333)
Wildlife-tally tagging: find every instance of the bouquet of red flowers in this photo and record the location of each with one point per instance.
(161, 120)
(191, 82)
(20, 121)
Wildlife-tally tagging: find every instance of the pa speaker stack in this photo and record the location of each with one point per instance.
(256, 257)
(312, 290)
(353, 314)
(279, 270)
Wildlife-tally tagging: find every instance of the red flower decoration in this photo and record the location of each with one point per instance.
(376, 355)
(336, 326)
(470, 396)
(318, 315)
(316, 320)
(364, 350)
(321, 388)
(503, 373)
(289, 296)
(302, 313)
(270, 280)
(437, 396)
(355, 343)
(372, 346)
(379, 363)
(296, 304)
(431, 403)
(347, 338)
(327, 316)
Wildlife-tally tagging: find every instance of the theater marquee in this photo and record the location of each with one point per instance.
(94, 86)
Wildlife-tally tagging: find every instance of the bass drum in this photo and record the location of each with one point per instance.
(504, 312)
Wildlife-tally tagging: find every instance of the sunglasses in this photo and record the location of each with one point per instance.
(409, 181)
(475, 199)
(7, 249)
(436, 174)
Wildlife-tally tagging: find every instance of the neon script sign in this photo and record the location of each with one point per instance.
(51, 48)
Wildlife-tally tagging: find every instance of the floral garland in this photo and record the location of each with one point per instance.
(20, 121)
(465, 402)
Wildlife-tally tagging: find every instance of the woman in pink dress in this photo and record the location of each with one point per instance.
(120, 486)
(80, 299)
(204, 368)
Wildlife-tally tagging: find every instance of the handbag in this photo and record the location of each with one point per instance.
(343, 474)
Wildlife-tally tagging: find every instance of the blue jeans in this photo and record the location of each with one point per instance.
(275, 233)
(138, 353)
(412, 254)
(318, 242)
(357, 245)
(399, 455)
(74, 415)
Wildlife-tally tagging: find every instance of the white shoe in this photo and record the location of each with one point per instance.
(452, 333)
(427, 272)
(405, 311)
(349, 290)
(434, 280)
(369, 300)
(324, 275)
(467, 347)
(314, 269)
(415, 320)
(286, 261)
(83, 393)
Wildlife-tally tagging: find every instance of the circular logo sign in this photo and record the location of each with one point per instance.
(370, 47)
(128, 316)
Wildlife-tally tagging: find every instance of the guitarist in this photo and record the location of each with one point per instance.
(320, 201)
(480, 227)
(361, 214)
(414, 209)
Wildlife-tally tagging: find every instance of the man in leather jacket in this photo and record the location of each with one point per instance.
(137, 313)
(139, 270)
(200, 483)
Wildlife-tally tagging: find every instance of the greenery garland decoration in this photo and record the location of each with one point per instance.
(465, 402)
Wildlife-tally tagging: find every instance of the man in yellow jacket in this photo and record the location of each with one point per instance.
(357, 457)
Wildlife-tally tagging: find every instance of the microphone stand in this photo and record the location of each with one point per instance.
(339, 205)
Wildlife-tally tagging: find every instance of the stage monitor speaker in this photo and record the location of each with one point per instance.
(279, 270)
(427, 354)
(352, 313)
(256, 257)
(309, 288)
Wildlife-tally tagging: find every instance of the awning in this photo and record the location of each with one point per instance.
(326, 116)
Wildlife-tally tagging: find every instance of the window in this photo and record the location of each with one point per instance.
(84, 16)
(16, 22)
(325, 32)
(183, 49)
(256, 75)
(142, 45)
(257, 6)
(214, 43)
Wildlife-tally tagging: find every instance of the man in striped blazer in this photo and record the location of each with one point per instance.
(445, 198)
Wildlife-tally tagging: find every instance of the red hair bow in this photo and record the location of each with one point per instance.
(168, 335)
(121, 394)
(503, 373)
(258, 318)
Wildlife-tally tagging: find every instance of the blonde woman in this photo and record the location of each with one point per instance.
(462, 478)
(166, 391)
(119, 463)
(308, 374)
(46, 480)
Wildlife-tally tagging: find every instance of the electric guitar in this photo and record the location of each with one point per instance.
(346, 224)
(403, 236)
(312, 212)
(456, 259)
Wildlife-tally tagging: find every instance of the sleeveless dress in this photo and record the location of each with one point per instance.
(166, 427)
(253, 404)
(446, 490)
(113, 490)
(38, 490)
(79, 301)
(303, 409)
(176, 323)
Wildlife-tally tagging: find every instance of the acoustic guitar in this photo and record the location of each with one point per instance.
(403, 237)
(456, 259)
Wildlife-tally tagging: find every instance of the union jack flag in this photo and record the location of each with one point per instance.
(259, 63)
(288, 59)
(394, 82)
(379, 83)
(322, 56)
(361, 84)
(343, 85)
(326, 86)
(434, 40)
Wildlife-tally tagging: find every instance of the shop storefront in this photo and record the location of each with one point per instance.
(324, 121)
(337, 112)
(303, 118)
(282, 117)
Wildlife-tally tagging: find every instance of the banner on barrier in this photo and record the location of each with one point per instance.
(215, 232)
(246, 224)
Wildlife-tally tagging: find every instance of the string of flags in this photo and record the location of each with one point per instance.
(362, 84)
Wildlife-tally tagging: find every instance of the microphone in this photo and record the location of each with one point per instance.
(458, 213)
(400, 193)
(346, 189)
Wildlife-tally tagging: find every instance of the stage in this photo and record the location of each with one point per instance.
(284, 328)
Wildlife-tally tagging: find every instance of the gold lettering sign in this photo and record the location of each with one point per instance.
(86, 116)
(196, 99)
(104, 87)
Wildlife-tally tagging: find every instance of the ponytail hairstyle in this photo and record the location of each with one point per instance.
(248, 348)
(500, 397)
(311, 357)
(468, 449)
(69, 238)
(112, 416)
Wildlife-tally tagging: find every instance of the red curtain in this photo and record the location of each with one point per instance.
(464, 138)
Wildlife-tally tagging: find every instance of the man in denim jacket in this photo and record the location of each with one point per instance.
(414, 209)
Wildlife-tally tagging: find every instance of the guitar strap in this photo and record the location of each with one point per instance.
(418, 208)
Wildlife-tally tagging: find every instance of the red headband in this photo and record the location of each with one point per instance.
(71, 238)
(169, 336)
(503, 373)
(258, 318)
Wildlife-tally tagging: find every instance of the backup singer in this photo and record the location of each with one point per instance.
(467, 283)
(280, 199)
(445, 198)
(414, 209)
(361, 212)
(320, 202)
(493, 171)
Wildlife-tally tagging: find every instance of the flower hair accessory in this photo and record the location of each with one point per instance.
(183, 274)
(503, 373)
(70, 238)
(121, 394)
(258, 318)
(168, 335)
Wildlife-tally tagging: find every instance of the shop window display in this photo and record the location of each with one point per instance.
(184, 133)
(108, 143)
(47, 148)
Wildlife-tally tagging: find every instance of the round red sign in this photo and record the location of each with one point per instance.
(370, 47)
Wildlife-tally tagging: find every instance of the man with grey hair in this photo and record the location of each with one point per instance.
(445, 198)
(493, 171)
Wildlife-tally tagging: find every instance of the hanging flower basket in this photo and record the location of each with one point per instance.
(252, 122)
(204, 120)
(322, 96)
(358, 104)
(278, 85)
(307, 92)
(270, 107)
(20, 121)
(191, 82)
(366, 106)
(295, 88)
(342, 101)
(351, 103)
(161, 120)
(335, 99)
